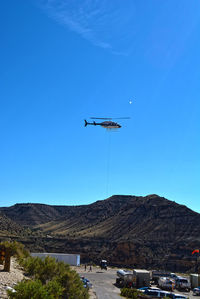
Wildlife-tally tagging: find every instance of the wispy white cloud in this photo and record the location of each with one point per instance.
(105, 23)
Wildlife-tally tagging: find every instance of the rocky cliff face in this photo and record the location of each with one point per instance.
(134, 231)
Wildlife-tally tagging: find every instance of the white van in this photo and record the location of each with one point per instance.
(157, 293)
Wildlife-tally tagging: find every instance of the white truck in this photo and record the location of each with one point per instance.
(125, 278)
(182, 283)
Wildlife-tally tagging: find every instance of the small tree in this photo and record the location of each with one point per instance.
(10, 249)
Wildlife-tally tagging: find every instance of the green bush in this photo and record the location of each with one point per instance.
(44, 269)
(51, 280)
(31, 265)
(55, 289)
(73, 286)
(34, 289)
(30, 289)
(132, 293)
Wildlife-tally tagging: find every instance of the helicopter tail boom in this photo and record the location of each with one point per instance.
(86, 123)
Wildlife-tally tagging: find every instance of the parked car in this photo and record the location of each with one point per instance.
(155, 274)
(162, 294)
(103, 264)
(156, 293)
(143, 289)
(177, 296)
(196, 291)
(182, 283)
(86, 283)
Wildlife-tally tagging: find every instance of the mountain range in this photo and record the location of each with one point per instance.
(133, 231)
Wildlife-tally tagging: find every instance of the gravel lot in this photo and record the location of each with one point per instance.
(103, 283)
(9, 279)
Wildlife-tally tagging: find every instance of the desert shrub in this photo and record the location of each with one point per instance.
(73, 286)
(30, 289)
(44, 269)
(131, 293)
(47, 269)
(31, 265)
(54, 288)
(34, 289)
(52, 280)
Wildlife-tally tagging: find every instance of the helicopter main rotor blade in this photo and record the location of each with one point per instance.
(109, 118)
(121, 118)
(100, 117)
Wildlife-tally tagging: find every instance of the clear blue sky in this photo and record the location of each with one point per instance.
(64, 61)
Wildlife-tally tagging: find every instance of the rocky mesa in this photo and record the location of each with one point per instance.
(150, 231)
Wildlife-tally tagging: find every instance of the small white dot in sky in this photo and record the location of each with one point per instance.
(130, 102)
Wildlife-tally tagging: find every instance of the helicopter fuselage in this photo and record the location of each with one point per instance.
(104, 124)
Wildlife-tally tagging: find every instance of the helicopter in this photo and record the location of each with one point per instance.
(107, 123)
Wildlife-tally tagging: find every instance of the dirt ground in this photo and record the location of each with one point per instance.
(10, 279)
(103, 282)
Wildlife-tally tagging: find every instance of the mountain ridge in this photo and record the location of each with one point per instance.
(121, 227)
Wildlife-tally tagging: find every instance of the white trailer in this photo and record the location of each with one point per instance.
(195, 280)
(71, 259)
(142, 277)
(125, 278)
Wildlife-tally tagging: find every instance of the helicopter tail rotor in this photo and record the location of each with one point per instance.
(86, 123)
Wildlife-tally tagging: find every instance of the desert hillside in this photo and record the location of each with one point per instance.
(128, 218)
(9, 227)
(128, 230)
